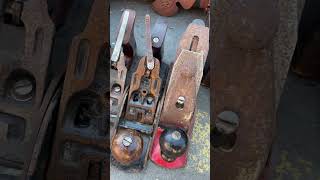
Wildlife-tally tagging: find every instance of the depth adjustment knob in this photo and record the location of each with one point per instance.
(173, 143)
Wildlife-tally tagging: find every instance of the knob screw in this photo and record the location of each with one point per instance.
(127, 141)
(22, 90)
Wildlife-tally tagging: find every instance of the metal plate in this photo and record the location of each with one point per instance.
(145, 85)
(25, 90)
(80, 149)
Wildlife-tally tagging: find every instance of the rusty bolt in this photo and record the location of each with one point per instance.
(127, 141)
(227, 122)
(22, 90)
(180, 102)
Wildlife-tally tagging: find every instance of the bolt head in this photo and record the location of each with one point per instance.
(127, 141)
(181, 99)
(180, 102)
(22, 89)
(227, 122)
(155, 39)
(117, 89)
(149, 100)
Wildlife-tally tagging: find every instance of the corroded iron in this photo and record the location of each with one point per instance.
(180, 102)
(187, 69)
(131, 143)
(25, 89)
(242, 82)
(119, 67)
(127, 146)
(80, 150)
(170, 7)
(145, 86)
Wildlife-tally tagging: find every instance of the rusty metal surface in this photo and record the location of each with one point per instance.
(122, 53)
(180, 102)
(179, 107)
(145, 86)
(141, 114)
(127, 146)
(24, 87)
(81, 139)
(243, 83)
(204, 4)
(171, 7)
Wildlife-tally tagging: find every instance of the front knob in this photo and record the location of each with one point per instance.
(173, 143)
(127, 146)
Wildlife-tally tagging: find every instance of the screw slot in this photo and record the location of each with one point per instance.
(180, 102)
(224, 133)
(22, 90)
(227, 122)
(127, 141)
(116, 88)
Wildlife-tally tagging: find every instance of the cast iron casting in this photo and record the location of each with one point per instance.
(122, 53)
(180, 102)
(81, 142)
(25, 89)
